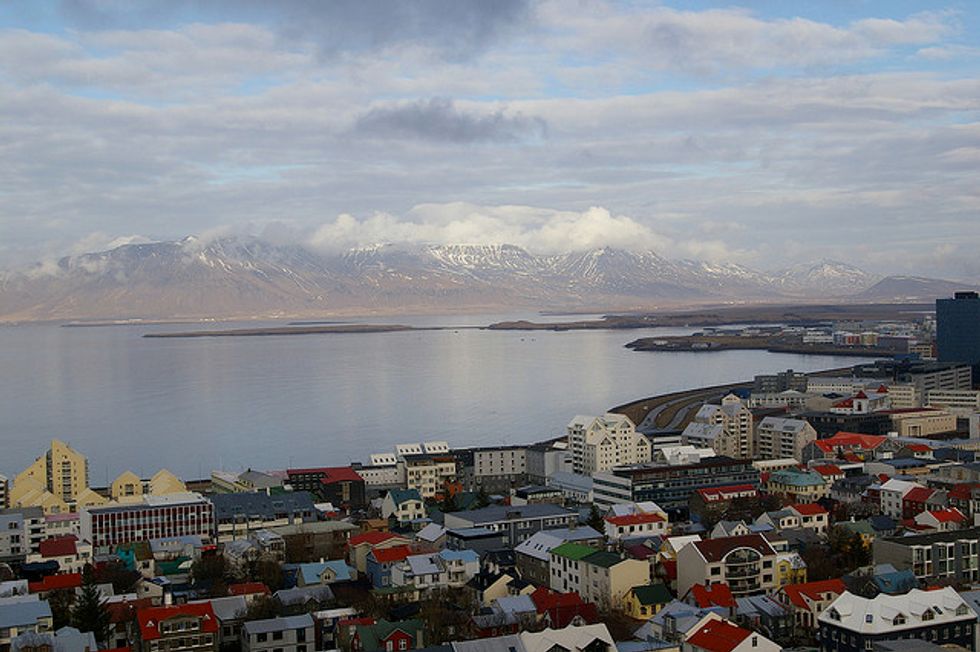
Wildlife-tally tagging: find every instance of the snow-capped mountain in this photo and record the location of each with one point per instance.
(248, 277)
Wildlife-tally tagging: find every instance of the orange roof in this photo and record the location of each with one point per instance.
(715, 595)
(850, 440)
(726, 492)
(797, 593)
(55, 582)
(948, 515)
(150, 619)
(808, 509)
(718, 636)
(828, 469)
(635, 519)
(918, 448)
(394, 553)
(372, 538)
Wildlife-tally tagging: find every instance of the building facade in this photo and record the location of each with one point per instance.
(777, 438)
(600, 443)
(154, 518)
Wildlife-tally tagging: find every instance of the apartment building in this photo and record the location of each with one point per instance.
(533, 556)
(780, 382)
(807, 600)
(517, 523)
(154, 518)
(599, 577)
(600, 443)
(735, 419)
(4, 491)
(669, 486)
(854, 624)
(236, 516)
(777, 438)
(938, 557)
(892, 495)
(57, 482)
(962, 402)
(428, 474)
(746, 563)
(798, 485)
(341, 485)
(404, 505)
(283, 634)
(494, 469)
(21, 533)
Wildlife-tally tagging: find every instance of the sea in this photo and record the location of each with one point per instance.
(273, 402)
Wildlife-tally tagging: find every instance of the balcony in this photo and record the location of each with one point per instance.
(742, 571)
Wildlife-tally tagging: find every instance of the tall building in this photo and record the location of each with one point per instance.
(57, 482)
(778, 438)
(735, 420)
(4, 491)
(600, 443)
(780, 382)
(958, 328)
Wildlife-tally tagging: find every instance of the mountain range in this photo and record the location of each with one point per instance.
(246, 277)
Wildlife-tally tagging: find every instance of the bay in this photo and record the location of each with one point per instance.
(193, 405)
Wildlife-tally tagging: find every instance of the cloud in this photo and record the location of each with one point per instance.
(440, 120)
(539, 230)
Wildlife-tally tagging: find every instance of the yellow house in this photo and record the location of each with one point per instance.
(128, 487)
(790, 569)
(862, 528)
(642, 602)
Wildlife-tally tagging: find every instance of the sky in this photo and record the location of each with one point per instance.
(762, 133)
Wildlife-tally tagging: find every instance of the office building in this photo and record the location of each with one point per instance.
(669, 486)
(940, 557)
(155, 517)
(780, 382)
(958, 328)
(517, 523)
(237, 515)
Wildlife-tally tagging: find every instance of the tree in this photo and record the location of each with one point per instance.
(482, 498)
(267, 572)
(60, 601)
(595, 520)
(446, 614)
(262, 607)
(450, 503)
(209, 568)
(90, 613)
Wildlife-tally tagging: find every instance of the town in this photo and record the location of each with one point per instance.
(838, 513)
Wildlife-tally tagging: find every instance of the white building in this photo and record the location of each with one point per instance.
(635, 520)
(735, 420)
(892, 493)
(600, 443)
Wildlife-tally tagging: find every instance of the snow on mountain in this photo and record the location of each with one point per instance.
(246, 276)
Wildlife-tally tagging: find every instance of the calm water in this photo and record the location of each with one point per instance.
(268, 402)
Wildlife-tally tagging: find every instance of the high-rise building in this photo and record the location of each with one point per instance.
(601, 443)
(57, 482)
(958, 329)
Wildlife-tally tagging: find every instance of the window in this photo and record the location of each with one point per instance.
(277, 636)
(403, 644)
(261, 637)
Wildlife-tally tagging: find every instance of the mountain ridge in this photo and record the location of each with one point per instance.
(246, 277)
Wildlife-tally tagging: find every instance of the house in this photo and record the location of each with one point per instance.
(914, 502)
(716, 500)
(646, 600)
(23, 614)
(746, 563)
(488, 586)
(808, 600)
(507, 615)
(71, 554)
(358, 546)
(864, 447)
(585, 638)
(600, 577)
(729, 529)
(403, 505)
(387, 636)
(557, 609)
(380, 562)
(230, 612)
(854, 624)
(635, 520)
(66, 639)
(892, 493)
(942, 519)
(797, 485)
(446, 568)
(707, 596)
(532, 556)
(762, 614)
(283, 634)
(781, 519)
(324, 572)
(675, 621)
(725, 636)
(49, 583)
(341, 485)
(811, 517)
(432, 536)
(192, 626)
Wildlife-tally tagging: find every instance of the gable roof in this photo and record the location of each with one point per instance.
(55, 582)
(59, 546)
(399, 496)
(649, 594)
(714, 595)
(808, 509)
(850, 440)
(635, 519)
(149, 619)
(919, 494)
(716, 549)
(371, 538)
(802, 594)
(387, 555)
(718, 636)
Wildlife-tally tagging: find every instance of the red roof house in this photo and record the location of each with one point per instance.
(563, 609)
(59, 547)
(718, 636)
(713, 595)
(151, 620)
(56, 582)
